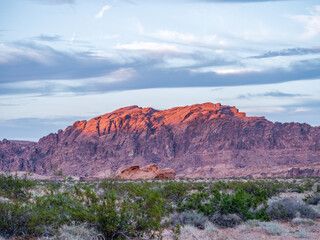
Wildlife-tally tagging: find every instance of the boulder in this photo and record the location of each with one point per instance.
(151, 171)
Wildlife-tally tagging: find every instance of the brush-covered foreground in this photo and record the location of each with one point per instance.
(155, 209)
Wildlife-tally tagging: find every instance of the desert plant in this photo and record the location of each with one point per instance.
(190, 232)
(189, 218)
(253, 223)
(14, 187)
(78, 232)
(302, 221)
(225, 221)
(273, 228)
(301, 233)
(312, 199)
(22, 220)
(288, 208)
(210, 229)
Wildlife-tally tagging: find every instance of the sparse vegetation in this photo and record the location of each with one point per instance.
(120, 209)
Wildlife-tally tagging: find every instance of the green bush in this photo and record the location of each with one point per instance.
(241, 203)
(22, 220)
(14, 187)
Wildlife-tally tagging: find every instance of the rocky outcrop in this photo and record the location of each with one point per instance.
(202, 140)
(151, 171)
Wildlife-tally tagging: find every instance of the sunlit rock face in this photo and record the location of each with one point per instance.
(202, 140)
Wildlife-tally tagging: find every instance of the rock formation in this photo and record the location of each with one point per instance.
(202, 140)
(151, 171)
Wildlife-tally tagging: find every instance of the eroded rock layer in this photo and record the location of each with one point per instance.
(202, 140)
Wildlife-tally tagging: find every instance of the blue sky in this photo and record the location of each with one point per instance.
(68, 60)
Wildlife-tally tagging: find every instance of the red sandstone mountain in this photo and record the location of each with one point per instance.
(203, 140)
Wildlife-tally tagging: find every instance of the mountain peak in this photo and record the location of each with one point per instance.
(201, 140)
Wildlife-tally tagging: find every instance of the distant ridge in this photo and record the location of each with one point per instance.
(202, 140)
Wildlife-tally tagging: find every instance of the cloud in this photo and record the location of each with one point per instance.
(23, 61)
(269, 94)
(236, 71)
(27, 67)
(102, 11)
(148, 46)
(175, 37)
(302, 109)
(289, 52)
(48, 38)
(311, 22)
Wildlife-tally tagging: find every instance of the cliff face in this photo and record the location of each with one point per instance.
(203, 140)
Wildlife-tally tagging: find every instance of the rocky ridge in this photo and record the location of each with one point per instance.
(202, 140)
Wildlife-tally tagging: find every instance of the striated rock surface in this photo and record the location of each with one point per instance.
(151, 171)
(202, 140)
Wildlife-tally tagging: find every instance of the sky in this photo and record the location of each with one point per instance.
(68, 60)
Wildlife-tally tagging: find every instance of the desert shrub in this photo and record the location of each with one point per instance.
(272, 188)
(22, 220)
(273, 228)
(175, 191)
(302, 221)
(301, 233)
(245, 205)
(297, 189)
(78, 232)
(225, 221)
(210, 229)
(195, 201)
(190, 232)
(121, 218)
(14, 187)
(312, 199)
(290, 207)
(189, 218)
(308, 184)
(253, 223)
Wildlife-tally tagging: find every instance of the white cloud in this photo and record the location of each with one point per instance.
(148, 46)
(259, 110)
(226, 71)
(173, 36)
(183, 38)
(302, 109)
(311, 22)
(102, 11)
(235, 71)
